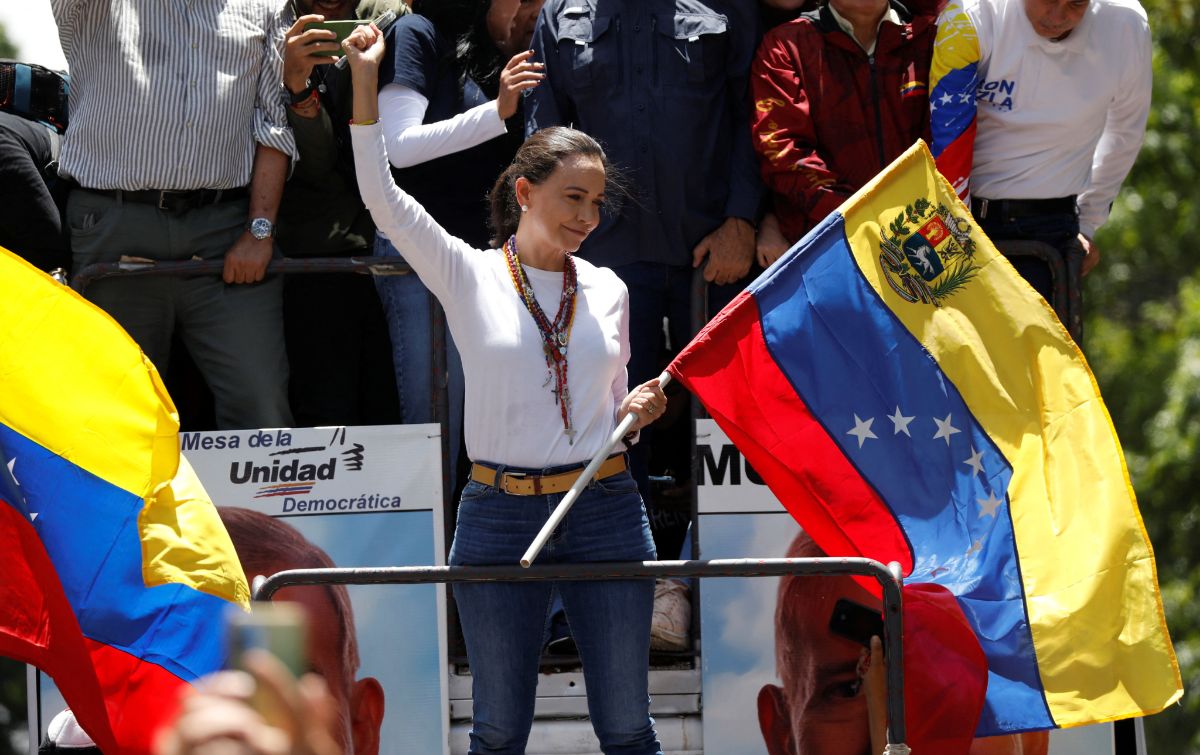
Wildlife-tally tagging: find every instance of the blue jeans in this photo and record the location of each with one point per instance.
(406, 304)
(504, 623)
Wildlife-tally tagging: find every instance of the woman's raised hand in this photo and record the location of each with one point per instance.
(364, 48)
(518, 76)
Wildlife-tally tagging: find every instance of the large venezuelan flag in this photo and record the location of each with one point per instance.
(953, 76)
(909, 398)
(117, 570)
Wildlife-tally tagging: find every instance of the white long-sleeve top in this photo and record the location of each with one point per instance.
(1060, 118)
(511, 416)
(411, 141)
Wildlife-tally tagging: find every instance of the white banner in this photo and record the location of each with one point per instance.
(321, 470)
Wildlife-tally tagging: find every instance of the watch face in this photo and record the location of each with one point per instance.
(261, 228)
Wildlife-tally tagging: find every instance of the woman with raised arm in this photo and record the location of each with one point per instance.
(449, 100)
(544, 343)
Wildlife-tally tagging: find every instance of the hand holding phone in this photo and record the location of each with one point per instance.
(310, 42)
(340, 29)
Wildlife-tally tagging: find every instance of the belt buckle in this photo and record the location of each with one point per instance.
(510, 476)
(983, 208)
(173, 201)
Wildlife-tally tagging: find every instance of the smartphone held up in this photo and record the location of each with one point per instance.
(279, 628)
(341, 30)
(856, 622)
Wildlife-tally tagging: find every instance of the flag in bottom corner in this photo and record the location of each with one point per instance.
(117, 569)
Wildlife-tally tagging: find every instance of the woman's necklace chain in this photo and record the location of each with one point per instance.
(555, 334)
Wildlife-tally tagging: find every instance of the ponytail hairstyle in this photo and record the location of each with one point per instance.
(538, 157)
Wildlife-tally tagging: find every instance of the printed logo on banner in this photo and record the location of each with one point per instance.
(300, 473)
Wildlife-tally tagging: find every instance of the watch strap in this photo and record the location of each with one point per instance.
(295, 98)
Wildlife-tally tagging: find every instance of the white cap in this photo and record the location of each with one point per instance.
(66, 733)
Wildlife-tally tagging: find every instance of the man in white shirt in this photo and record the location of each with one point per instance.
(180, 145)
(1042, 105)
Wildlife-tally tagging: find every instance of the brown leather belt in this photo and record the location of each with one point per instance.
(520, 483)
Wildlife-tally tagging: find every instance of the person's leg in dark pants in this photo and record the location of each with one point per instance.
(657, 292)
(648, 305)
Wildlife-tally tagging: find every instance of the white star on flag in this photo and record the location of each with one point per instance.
(947, 98)
(862, 430)
(975, 548)
(988, 506)
(945, 429)
(900, 423)
(12, 467)
(976, 461)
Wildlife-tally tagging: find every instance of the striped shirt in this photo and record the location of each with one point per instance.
(171, 94)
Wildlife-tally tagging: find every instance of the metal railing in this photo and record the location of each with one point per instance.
(888, 577)
(1065, 274)
(192, 268)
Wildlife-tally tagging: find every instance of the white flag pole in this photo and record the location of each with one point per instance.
(585, 477)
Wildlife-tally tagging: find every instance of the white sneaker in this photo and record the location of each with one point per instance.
(671, 623)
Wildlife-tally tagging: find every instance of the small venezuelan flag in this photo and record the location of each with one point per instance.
(909, 398)
(117, 569)
(953, 76)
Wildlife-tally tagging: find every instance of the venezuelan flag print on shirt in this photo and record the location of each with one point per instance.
(909, 398)
(117, 568)
(953, 77)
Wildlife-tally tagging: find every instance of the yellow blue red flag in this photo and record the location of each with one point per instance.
(909, 398)
(953, 76)
(117, 568)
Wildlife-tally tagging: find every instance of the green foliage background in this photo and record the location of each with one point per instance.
(1142, 340)
(7, 48)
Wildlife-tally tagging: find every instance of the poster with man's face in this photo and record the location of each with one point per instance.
(355, 496)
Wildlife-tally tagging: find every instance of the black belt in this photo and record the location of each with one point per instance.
(1016, 208)
(176, 201)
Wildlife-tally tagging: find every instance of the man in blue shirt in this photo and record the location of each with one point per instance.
(663, 85)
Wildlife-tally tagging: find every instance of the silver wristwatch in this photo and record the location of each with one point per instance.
(261, 228)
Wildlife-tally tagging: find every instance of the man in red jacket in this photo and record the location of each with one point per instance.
(840, 92)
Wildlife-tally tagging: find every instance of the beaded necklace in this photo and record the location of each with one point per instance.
(556, 334)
